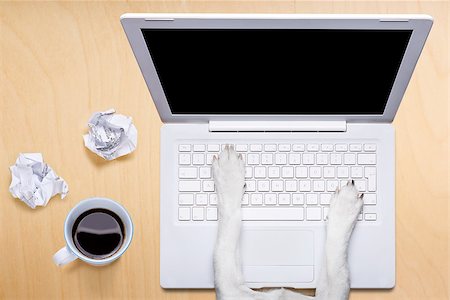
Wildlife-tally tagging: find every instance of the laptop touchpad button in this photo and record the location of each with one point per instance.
(278, 255)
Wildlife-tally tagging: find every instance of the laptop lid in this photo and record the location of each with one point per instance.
(217, 67)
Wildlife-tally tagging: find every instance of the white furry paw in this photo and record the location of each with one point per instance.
(228, 172)
(345, 206)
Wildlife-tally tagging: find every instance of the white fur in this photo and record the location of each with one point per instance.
(334, 282)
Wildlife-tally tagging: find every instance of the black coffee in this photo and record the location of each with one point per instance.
(98, 233)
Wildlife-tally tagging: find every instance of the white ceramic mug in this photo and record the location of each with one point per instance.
(70, 252)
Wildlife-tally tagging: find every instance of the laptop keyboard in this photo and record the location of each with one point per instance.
(284, 182)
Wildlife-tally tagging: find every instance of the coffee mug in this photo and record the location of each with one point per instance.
(93, 226)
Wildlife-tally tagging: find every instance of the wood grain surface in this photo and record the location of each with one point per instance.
(62, 61)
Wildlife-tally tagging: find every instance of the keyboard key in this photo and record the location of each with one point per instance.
(287, 172)
(212, 199)
(356, 172)
(284, 147)
(211, 213)
(322, 159)
(294, 158)
(198, 214)
(280, 159)
(370, 199)
(314, 214)
(250, 186)
(319, 186)
(260, 172)
(184, 148)
(266, 159)
(327, 147)
(370, 217)
(311, 199)
(213, 148)
(199, 148)
(367, 159)
(198, 159)
(355, 147)
(274, 172)
(270, 199)
(360, 185)
(248, 172)
(325, 199)
(341, 147)
(184, 159)
(256, 148)
(253, 159)
(308, 159)
(335, 158)
(298, 147)
(209, 158)
(370, 147)
(201, 199)
(291, 185)
(349, 159)
(245, 199)
(284, 199)
(186, 199)
(189, 173)
(315, 172)
(208, 186)
(298, 199)
(371, 175)
(328, 172)
(325, 213)
(184, 213)
(270, 147)
(205, 173)
(332, 185)
(263, 185)
(272, 214)
(277, 186)
(342, 172)
(189, 186)
(241, 148)
(312, 147)
(256, 199)
(301, 172)
(304, 185)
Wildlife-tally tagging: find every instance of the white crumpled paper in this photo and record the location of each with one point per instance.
(110, 135)
(34, 182)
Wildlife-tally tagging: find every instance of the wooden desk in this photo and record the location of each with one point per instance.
(59, 62)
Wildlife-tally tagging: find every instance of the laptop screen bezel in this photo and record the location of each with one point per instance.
(134, 23)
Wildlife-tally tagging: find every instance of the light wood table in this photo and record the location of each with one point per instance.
(59, 62)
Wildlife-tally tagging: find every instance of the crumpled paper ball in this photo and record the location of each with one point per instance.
(34, 182)
(110, 135)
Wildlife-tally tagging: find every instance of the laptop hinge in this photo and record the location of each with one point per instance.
(306, 126)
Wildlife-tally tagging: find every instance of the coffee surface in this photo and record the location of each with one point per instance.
(98, 233)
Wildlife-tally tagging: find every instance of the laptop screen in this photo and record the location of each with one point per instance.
(277, 71)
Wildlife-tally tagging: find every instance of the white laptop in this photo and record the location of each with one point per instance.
(309, 102)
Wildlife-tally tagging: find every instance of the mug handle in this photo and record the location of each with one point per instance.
(63, 256)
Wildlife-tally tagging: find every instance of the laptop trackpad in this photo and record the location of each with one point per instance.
(278, 256)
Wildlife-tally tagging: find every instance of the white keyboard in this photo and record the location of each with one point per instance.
(284, 181)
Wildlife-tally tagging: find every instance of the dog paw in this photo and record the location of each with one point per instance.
(345, 205)
(228, 172)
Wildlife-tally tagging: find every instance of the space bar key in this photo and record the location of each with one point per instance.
(272, 214)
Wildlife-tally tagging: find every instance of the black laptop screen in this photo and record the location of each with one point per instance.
(276, 71)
